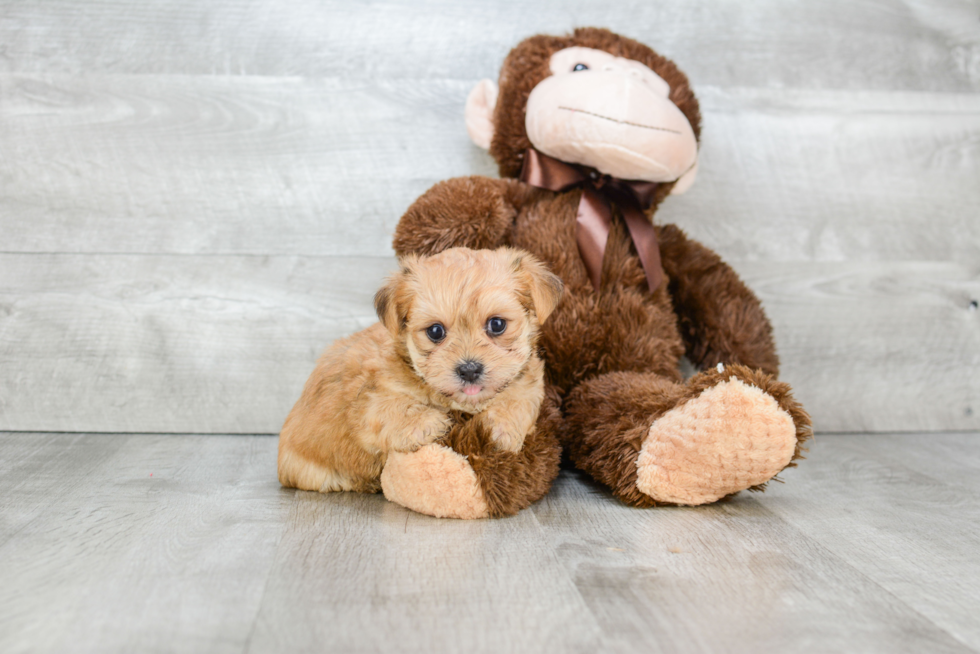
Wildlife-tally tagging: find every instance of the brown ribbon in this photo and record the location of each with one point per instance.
(595, 211)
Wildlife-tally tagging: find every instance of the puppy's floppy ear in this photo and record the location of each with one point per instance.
(544, 287)
(390, 302)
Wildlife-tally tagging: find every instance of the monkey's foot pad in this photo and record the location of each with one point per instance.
(730, 437)
(434, 480)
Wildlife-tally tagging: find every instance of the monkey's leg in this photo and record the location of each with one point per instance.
(468, 476)
(653, 441)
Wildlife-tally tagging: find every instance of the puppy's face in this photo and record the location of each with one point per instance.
(467, 320)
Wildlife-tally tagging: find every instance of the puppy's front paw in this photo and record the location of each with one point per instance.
(513, 413)
(426, 427)
(507, 437)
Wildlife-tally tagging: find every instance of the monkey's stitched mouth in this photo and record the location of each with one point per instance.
(621, 122)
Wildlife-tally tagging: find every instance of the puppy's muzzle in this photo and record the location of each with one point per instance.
(470, 371)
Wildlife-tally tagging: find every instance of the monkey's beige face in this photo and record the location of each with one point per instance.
(468, 319)
(612, 114)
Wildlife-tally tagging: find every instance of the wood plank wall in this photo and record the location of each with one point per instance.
(197, 196)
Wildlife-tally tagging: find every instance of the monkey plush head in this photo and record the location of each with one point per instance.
(592, 98)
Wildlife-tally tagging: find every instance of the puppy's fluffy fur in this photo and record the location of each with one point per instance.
(396, 384)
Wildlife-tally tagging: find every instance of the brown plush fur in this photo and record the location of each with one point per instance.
(612, 355)
(608, 417)
(712, 330)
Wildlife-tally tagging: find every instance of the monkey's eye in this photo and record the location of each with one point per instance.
(579, 67)
(435, 332)
(496, 326)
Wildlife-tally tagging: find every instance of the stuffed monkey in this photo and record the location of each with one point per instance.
(591, 131)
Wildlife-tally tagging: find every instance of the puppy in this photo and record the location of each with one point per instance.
(458, 332)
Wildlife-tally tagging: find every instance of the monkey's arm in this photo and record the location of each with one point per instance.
(466, 475)
(720, 319)
(474, 212)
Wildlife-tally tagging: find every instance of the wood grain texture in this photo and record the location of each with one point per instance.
(325, 167)
(387, 579)
(728, 577)
(149, 543)
(33, 473)
(919, 541)
(170, 343)
(154, 164)
(928, 45)
(869, 546)
(877, 346)
(832, 176)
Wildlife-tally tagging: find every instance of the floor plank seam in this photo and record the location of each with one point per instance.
(545, 536)
(859, 574)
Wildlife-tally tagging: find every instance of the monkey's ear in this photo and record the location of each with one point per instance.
(479, 112)
(544, 287)
(390, 301)
(684, 181)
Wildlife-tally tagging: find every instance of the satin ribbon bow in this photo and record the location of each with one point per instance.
(595, 211)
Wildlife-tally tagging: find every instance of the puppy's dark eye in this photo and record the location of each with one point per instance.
(435, 332)
(496, 326)
(579, 67)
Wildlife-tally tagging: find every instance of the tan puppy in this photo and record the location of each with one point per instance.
(458, 332)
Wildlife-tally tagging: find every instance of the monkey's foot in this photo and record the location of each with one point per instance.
(434, 480)
(730, 437)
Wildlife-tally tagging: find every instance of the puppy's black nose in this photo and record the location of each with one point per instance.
(469, 371)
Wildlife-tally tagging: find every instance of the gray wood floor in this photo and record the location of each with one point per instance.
(197, 196)
(170, 543)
